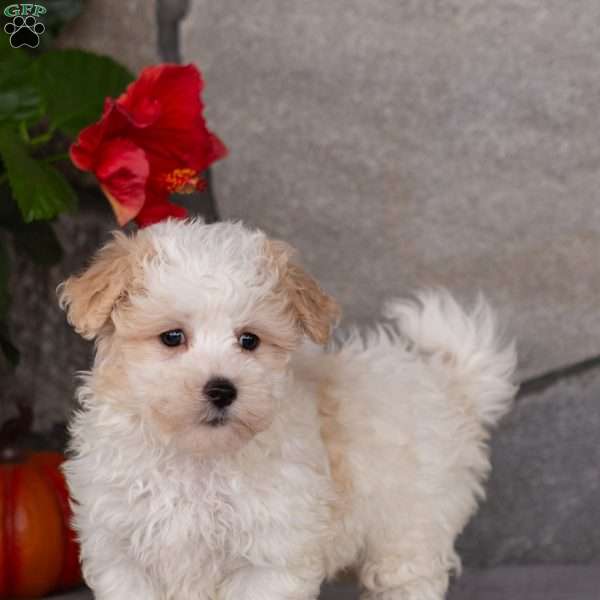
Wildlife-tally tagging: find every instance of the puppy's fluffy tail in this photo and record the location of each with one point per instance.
(464, 344)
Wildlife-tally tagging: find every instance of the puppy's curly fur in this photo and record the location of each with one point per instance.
(371, 453)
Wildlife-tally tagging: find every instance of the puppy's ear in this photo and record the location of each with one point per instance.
(89, 298)
(316, 312)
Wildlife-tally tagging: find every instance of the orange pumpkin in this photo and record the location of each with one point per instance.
(38, 550)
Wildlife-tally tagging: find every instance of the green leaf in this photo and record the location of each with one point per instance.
(19, 96)
(74, 84)
(40, 190)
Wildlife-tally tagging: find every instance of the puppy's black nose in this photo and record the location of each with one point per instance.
(220, 391)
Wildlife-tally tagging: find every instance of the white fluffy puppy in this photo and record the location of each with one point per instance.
(221, 453)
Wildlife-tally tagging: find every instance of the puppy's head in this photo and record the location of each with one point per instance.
(194, 326)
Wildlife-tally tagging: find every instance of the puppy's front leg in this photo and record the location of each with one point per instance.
(119, 580)
(265, 583)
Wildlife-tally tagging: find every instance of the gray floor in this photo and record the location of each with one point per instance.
(555, 582)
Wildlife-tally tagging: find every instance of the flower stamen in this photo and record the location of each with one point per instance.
(182, 181)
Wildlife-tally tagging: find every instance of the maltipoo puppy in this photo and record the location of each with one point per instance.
(222, 453)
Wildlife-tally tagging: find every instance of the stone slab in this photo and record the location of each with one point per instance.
(543, 501)
(547, 582)
(544, 582)
(127, 31)
(419, 142)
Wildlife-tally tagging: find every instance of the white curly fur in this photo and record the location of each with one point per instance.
(371, 453)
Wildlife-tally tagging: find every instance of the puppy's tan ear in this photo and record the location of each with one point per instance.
(316, 312)
(89, 298)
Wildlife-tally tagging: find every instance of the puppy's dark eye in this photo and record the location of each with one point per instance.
(249, 341)
(172, 338)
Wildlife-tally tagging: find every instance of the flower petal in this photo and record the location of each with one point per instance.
(153, 213)
(217, 149)
(152, 131)
(84, 151)
(122, 171)
(178, 137)
(144, 113)
(168, 92)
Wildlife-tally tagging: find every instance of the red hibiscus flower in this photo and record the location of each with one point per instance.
(150, 142)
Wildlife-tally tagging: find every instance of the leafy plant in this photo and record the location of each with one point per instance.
(45, 99)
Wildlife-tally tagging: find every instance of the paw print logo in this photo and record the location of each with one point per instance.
(24, 31)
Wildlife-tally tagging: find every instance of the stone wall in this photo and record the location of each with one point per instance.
(423, 143)
(51, 352)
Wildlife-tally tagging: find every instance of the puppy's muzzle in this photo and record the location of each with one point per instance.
(220, 392)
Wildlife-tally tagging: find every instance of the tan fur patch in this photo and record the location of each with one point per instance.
(316, 312)
(336, 443)
(90, 298)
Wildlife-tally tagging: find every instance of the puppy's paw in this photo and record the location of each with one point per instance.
(388, 573)
(393, 580)
(263, 583)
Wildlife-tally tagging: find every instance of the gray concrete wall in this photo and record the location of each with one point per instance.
(401, 144)
(414, 143)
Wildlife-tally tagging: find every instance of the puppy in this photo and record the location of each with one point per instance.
(221, 453)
